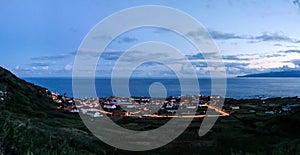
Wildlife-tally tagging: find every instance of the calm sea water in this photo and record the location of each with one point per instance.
(236, 87)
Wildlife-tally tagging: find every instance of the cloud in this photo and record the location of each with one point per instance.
(43, 71)
(296, 62)
(87, 52)
(195, 57)
(273, 37)
(234, 57)
(68, 67)
(218, 35)
(264, 37)
(33, 68)
(45, 67)
(197, 34)
(135, 55)
(236, 65)
(50, 57)
(127, 40)
(152, 64)
(111, 55)
(272, 55)
(29, 71)
(225, 36)
(296, 3)
(235, 68)
(107, 54)
(277, 45)
(238, 57)
(39, 64)
(20, 69)
(199, 64)
(187, 69)
(200, 56)
(150, 69)
(290, 51)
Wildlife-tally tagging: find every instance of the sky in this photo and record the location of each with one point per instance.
(41, 38)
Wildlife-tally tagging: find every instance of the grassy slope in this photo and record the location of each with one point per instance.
(29, 123)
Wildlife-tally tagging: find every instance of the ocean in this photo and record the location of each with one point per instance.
(238, 88)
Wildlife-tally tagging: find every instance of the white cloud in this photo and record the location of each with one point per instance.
(45, 67)
(17, 67)
(68, 67)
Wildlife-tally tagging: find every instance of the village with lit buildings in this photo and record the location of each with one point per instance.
(195, 106)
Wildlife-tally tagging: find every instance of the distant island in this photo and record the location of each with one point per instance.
(275, 74)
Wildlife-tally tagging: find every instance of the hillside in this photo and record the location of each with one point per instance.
(23, 97)
(29, 122)
(275, 74)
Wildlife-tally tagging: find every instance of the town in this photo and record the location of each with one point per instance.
(194, 106)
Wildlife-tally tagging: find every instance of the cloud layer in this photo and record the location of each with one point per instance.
(263, 37)
(236, 64)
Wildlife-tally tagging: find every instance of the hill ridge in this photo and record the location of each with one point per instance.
(294, 73)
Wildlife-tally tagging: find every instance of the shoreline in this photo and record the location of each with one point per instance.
(194, 106)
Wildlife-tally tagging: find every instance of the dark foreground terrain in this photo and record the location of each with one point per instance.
(30, 124)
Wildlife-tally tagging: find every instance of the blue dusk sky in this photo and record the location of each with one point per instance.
(41, 38)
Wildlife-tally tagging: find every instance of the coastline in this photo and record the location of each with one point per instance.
(36, 125)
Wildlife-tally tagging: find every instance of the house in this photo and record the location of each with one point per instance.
(173, 99)
(58, 101)
(234, 107)
(169, 105)
(69, 101)
(141, 100)
(54, 96)
(171, 111)
(109, 106)
(93, 114)
(97, 114)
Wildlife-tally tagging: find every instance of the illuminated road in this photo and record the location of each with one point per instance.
(134, 114)
(217, 110)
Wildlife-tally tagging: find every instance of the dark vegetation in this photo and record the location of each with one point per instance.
(30, 124)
